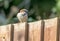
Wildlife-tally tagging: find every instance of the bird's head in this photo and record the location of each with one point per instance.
(23, 11)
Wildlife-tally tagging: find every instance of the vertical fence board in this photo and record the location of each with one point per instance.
(58, 29)
(35, 31)
(19, 32)
(5, 32)
(50, 30)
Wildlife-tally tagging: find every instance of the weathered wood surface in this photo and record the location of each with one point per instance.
(50, 30)
(19, 32)
(34, 31)
(5, 33)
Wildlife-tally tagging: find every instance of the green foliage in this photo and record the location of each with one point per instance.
(15, 2)
(43, 7)
(38, 9)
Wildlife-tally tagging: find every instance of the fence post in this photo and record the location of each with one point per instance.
(58, 30)
(26, 31)
(12, 32)
(42, 30)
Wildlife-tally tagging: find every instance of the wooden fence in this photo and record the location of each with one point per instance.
(47, 30)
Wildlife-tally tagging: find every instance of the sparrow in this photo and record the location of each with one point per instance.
(22, 15)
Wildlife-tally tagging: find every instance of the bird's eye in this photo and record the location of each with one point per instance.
(23, 14)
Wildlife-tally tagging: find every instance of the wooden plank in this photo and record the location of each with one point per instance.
(5, 32)
(19, 32)
(35, 31)
(50, 30)
(58, 31)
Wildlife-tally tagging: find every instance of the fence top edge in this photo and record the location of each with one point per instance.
(6, 25)
(32, 22)
(51, 19)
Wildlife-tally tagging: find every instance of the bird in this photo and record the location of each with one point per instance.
(22, 15)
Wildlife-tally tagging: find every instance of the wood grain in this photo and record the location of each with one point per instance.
(35, 31)
(50, 30)
(5, 33)
(19, 32)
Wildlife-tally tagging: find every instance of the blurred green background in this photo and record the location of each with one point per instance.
(38, 9)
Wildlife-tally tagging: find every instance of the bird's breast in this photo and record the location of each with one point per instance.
(21, 16)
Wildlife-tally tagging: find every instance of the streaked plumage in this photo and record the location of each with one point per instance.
(23, 15)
